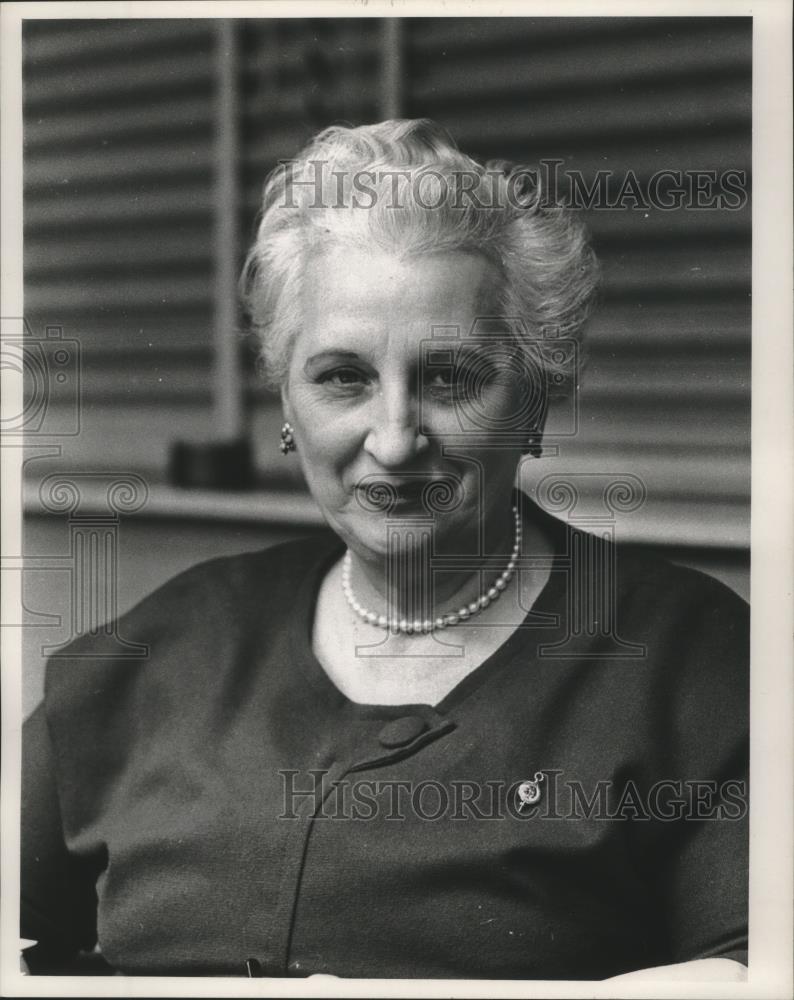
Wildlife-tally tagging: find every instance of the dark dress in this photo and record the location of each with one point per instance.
(219, 807)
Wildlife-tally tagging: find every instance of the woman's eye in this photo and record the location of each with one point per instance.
(343, 376)
(445, 378)
(458, 381)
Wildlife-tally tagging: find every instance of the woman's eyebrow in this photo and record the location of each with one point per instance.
(314, 361)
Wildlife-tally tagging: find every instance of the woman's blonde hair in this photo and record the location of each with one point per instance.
(404, 187)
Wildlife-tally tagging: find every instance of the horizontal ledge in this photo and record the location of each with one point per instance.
(260, 506)
(296, 508)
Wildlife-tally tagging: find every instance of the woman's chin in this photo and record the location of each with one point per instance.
(377, 541)
(378, 536)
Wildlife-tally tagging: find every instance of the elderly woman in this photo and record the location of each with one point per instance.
(455, 738)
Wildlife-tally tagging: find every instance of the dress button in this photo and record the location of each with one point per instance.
(401, 732)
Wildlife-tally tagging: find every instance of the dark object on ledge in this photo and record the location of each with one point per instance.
(212, 464)
(41, 961)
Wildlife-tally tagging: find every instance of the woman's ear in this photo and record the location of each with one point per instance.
(533, 445)
(536, 388)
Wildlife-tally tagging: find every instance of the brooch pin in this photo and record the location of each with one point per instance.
(528, 792)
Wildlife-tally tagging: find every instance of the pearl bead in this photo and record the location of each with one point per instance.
(443, 621)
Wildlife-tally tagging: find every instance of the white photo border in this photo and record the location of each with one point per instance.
(772, 535)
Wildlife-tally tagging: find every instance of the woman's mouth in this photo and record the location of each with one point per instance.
(419, 493)
(409, 494)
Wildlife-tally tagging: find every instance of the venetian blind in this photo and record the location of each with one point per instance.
(118, 217)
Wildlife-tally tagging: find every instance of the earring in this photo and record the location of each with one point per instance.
(287, 440)
(535, 445)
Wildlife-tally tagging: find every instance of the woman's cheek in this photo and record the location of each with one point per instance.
(440, 419)
(316, 416)
(334, 433)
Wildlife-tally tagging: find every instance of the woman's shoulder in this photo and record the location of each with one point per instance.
(224, 582)
(272, 568)
(635, 576)
(693, 630)
(683, 627)
(641, 574)
(185, 626)
(661, 649)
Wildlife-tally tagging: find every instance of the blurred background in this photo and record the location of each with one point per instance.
(146, 144)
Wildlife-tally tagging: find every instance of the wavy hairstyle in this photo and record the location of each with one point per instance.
(404, 187)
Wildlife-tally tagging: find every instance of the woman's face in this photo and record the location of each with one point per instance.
(370, 400)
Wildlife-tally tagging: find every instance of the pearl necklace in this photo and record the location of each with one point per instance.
(443, 621)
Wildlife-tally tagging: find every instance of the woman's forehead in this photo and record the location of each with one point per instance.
(384, 292)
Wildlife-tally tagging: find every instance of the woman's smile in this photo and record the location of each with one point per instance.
(428, 493)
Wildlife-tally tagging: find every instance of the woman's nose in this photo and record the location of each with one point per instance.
(395, 436)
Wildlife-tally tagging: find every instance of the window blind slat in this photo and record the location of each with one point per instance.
(146, 122)
(183, 248)
(577, 68)
(72, 41)
(95, 167)
(132, 78)
(119, 293)
(166, 203)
